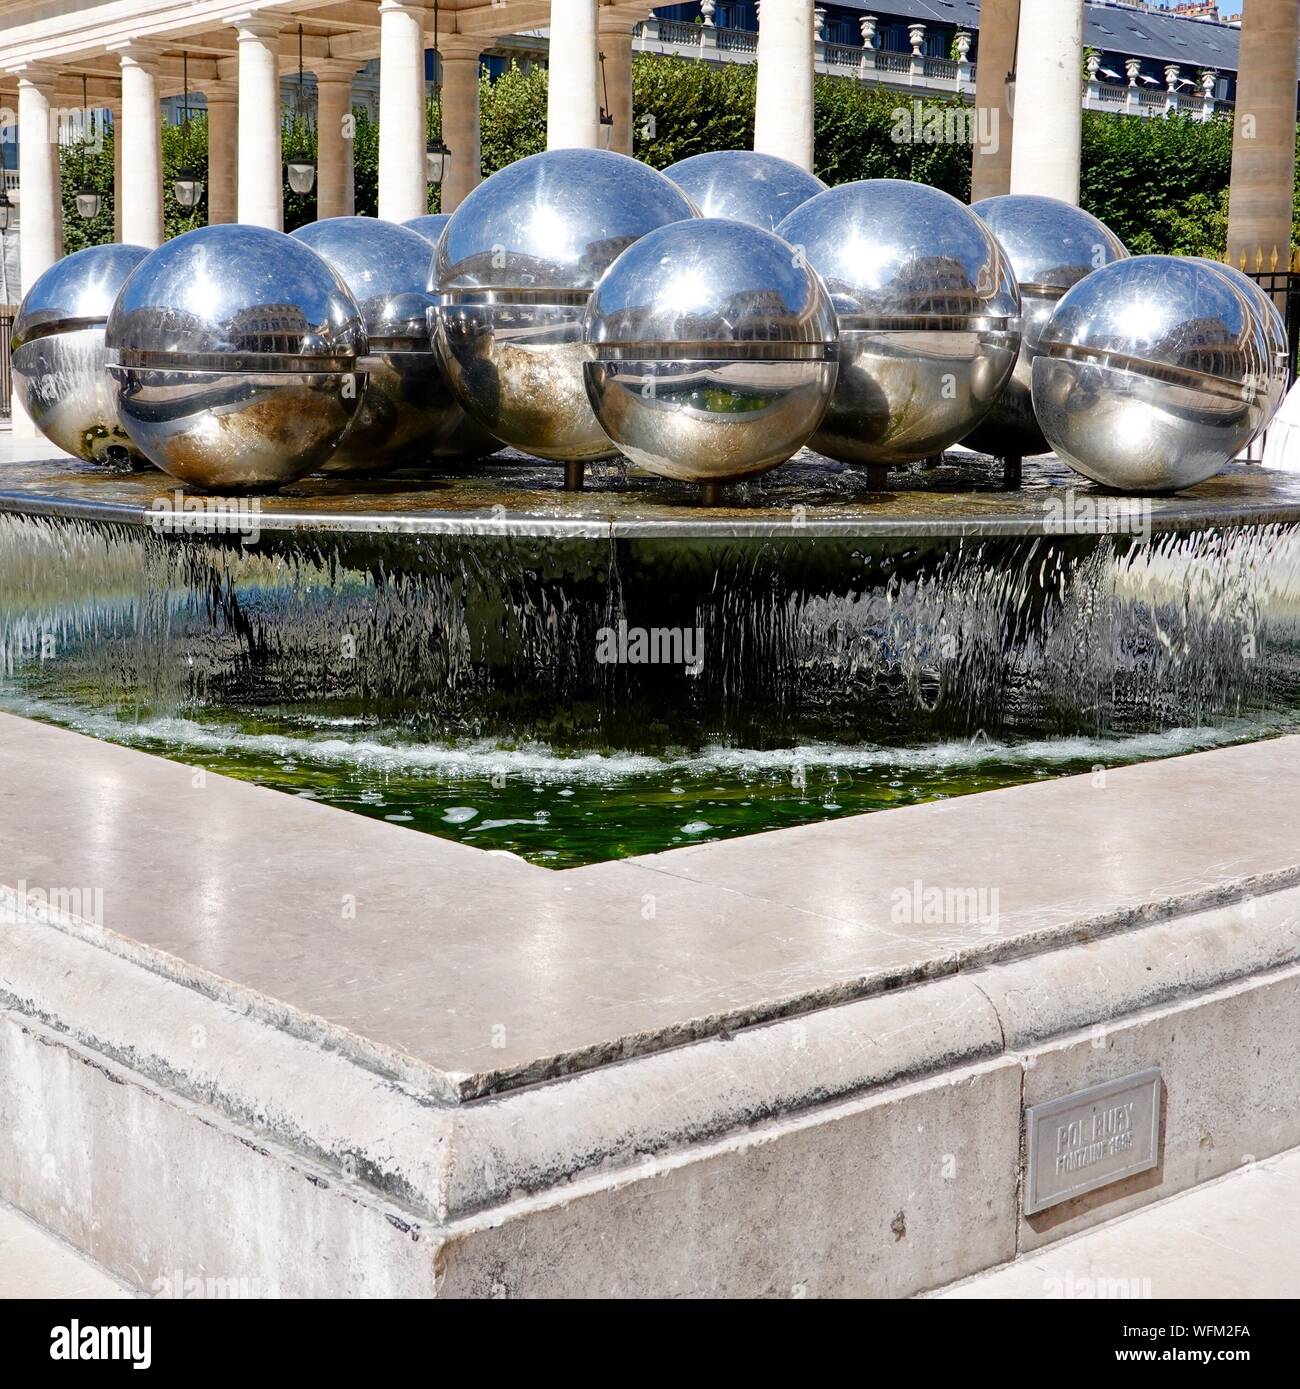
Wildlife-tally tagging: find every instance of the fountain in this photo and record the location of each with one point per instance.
(744, 186)
(393, 630)
(530, 1069)
(929, 318)
(59, 354)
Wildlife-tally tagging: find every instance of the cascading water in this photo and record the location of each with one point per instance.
(490, 688)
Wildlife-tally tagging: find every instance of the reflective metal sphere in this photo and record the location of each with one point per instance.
(514, 269)
(714, 351)
(744, 186)
(58, 353)
(429, 226)
(1275, 334)
(407, 414)
(1052, 245)
(235, 350)
(1153, 373)
(929, 317)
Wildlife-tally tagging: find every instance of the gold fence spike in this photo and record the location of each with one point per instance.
(1272, 261)
(1243, 260)
(1259, 259)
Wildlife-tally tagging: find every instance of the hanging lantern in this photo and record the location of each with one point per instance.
(87, 200)
(437, 162)
(437, 157)
(300, 170)
(606, 131)
(187, 186)
(86, 197)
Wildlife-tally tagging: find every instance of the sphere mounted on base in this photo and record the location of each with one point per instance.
(1051, 245)
(429, 226)
(1274, 326)
(513, 271)
(714, 351)
(929, 317)
(408, 414)
(59, 356)
(235, 352)
(1153, 373)
(744, 186)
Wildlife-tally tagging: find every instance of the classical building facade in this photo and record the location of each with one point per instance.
(130, 59)
(1144, 60)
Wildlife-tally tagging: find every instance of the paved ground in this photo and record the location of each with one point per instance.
(1234, 1238)
(35, 1263)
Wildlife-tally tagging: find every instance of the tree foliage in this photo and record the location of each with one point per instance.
(1161, 183)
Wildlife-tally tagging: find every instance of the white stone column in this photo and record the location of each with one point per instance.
(460, 118)
(37, 197)
(142, 173)
(333, 137)
(56, 173)
(573, 89)
(402, 188)
(261, 178)
(614, 40)
(223, 146)
(117, 171)
(783, 116)
(1045, 148)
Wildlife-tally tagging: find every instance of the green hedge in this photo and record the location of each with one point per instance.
(1161, 183)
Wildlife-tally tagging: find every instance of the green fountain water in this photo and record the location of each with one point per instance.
(487, 689)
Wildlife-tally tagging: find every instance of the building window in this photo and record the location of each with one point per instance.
(893, 38)
(737, 14)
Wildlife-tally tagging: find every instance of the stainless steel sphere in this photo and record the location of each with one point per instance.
(1052, 245)
(744, 186)
(430, 225)
(929, 317)
(1153, 373)
(58, 353)
(408, 414)
(513, 271)
(1275, 334)
(714, 351)
(235, 351)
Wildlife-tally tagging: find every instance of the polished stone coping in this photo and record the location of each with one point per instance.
(810, 497)
(463, 972)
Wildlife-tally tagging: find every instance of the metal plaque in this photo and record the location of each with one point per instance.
(1092, 1138)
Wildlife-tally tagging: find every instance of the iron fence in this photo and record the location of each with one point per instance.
(7, 312)
(1283, 287)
